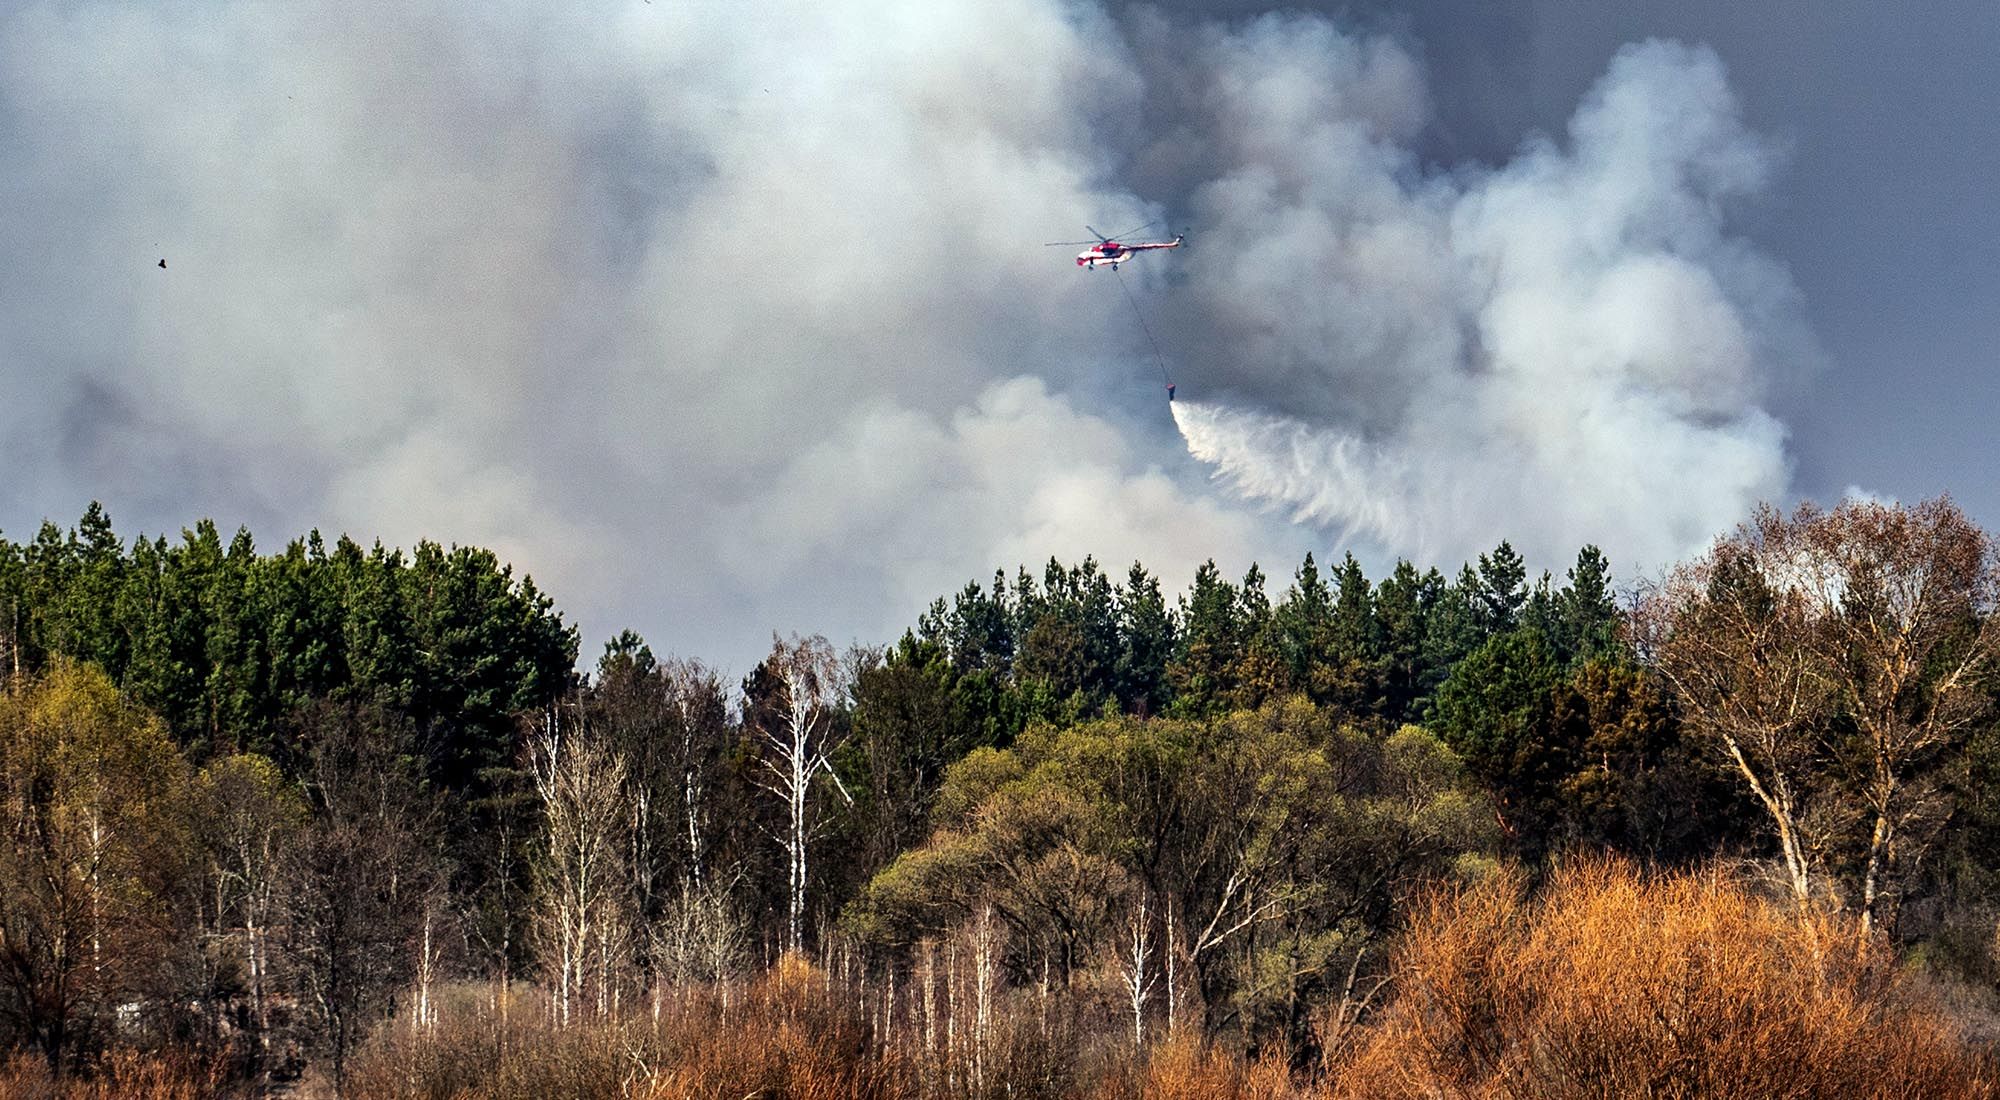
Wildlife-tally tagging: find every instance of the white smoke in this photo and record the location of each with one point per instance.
(724, 318)
(1567, 349)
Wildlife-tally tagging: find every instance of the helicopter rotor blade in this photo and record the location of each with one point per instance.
(1130, 232)
(1067, 244)
(1101, 238)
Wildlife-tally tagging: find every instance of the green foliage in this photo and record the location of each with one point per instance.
(1267, 841)
(95, 862)
(914, 714)
(1500, 590)
(1213, 636)
(269, 782)
(226, 644)
(1494, 711)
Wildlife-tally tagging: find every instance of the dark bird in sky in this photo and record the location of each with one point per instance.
(163, 263)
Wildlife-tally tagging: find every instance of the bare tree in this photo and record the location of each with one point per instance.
(247, 818)
(356, 875)
(796, 738)
(700, 937)
(1905, 596)
(695, 698)
(1728, 631)
(1874, 617)
(986, 940)
(668, 719)
(1137, 966)
(429, 955)
(583, 918)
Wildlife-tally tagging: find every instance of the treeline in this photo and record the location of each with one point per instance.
(257, 806)
(1076, 645)
(226, 645)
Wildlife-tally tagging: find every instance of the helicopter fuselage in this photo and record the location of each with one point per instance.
(1114, 253)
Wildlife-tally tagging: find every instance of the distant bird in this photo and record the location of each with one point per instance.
(163, 264)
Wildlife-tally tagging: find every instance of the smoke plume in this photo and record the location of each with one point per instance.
(723, 318)
(1567, 348)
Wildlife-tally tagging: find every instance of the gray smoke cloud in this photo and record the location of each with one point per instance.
(1567, 348)
(723, 319)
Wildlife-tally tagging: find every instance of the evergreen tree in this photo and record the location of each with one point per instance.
(1146, 636)
(1262, 673)
(1204, 672)
(1587, 618)
(1501, 589)
(1304, 631)
(1403, 606)
(1541, 613)
(1453, 628)
(1493, 711)
(13, 603)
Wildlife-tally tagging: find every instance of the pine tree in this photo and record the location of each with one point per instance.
(1305, 630)
(1501, 589)
(1587, 615)
(1146, 635)
(1403, 606)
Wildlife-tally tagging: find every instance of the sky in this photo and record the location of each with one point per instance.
(726, 319)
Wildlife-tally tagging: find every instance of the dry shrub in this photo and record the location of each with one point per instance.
(1618, 983)
(783, 1036)
(1187, 1068)
(791, 1038)
(471, 1057)
(123, 1075)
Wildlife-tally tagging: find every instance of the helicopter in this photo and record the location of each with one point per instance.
(1109, 250)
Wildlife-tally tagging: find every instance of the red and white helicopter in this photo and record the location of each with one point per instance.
(1110, 251)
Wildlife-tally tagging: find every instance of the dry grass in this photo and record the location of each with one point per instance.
(122, 1076)
(791, 1035)
(1615, 983)
(1610, 983)
(783, 1036)
(1185, 1068)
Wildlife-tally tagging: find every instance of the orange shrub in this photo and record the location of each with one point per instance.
(1618, 983)
(124, 1075)
(784, 1035)
(1185, 1068)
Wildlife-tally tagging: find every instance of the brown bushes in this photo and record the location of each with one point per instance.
(783, 1036)
(1615, 983)
(123, 1076)
(1185, 1068)
(1609, 983)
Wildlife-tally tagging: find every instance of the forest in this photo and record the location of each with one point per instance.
(365, 822)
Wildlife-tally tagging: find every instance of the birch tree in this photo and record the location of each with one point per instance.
(90, 855)
(697, 727)
(1908, 642)
(1137, 966)
(668, 719)
(1842, 653)
(795, 736)
(1728, 632)
(582, 919)
(248, 819)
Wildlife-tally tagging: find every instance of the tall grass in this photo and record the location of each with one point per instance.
(125, 1075)
(788, 1034)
